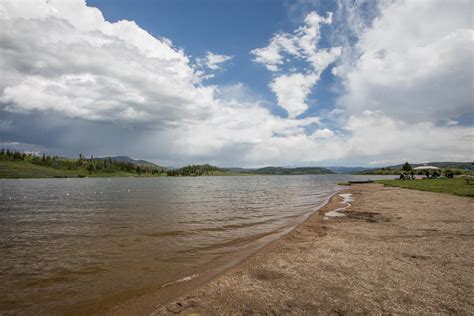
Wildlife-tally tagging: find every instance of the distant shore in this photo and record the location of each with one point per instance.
(33, 167)
(394, 251)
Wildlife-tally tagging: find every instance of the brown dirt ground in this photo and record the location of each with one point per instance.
(396, 251)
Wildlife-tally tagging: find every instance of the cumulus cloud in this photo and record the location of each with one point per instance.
(374, 134)
(69, 73)
(271, 55)
(323, 133)
(73, 82)
(409, 69)
(63, 56)
(292, 89)
(213, 61)
(302, 43)
(414, 62)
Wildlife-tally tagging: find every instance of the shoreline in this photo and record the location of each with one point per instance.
(164, 294)
(394, 251)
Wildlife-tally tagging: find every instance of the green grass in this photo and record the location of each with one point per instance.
(457, 186)
(26, 169)
(226, 173)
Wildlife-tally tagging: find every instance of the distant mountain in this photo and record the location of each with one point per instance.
(283, 170)
(348, 170)
(241, 170)
(134, 161)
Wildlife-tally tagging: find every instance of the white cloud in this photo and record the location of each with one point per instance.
(451, 122)
(63, 56)
(323, 133)
(23, 147)
(64, 60)
(307, 37)
(291, 91)
(414, 63)
(381, 162)
(302, 44)
(378, 136)
(213, 61)
(271, 55)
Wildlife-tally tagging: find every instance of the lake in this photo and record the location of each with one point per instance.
(69, 246)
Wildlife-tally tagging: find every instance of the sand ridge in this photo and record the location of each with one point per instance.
(395, 251)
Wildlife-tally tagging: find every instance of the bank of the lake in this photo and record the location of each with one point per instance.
(462, 186)
(395, 251)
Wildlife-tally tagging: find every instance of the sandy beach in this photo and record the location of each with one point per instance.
(394, 251)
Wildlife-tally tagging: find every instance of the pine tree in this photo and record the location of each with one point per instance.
(407, 167)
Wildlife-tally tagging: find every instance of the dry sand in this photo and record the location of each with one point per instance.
(395, 251)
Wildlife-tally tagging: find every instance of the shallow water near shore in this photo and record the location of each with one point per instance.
(65, 244)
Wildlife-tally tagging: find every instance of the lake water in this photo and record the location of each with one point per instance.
(66, 245)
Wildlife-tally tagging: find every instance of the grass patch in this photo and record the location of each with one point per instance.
(26, 169)
(343, 183)
(457, 186)
(226, 173)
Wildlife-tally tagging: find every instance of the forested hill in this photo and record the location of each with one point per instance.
(15, 164)
(293, 171)
(127, 159)
(200, 170)
(284, 170)
(197, 170)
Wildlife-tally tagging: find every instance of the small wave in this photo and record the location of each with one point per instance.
(185, 279)
(176, 233)
(172, 233)
(45, 282)
(190, 222)
(309, 204)
(240, 241)
(244, 225)
(234, 226)
(226, 219)
(87, 270)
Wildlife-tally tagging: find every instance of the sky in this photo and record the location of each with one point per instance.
(239, 83)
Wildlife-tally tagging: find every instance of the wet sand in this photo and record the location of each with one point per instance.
(394, 251)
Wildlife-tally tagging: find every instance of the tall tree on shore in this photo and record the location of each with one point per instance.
(407, 167)
(91, 168)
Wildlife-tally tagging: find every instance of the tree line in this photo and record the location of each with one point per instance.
(194, 170)
(91, 164)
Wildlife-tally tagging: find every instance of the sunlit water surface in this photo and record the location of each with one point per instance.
(65, 243)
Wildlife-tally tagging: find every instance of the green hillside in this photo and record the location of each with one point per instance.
(200, 170)
(457, 186)
(14, 164)
(26, 169)
(285, 171)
